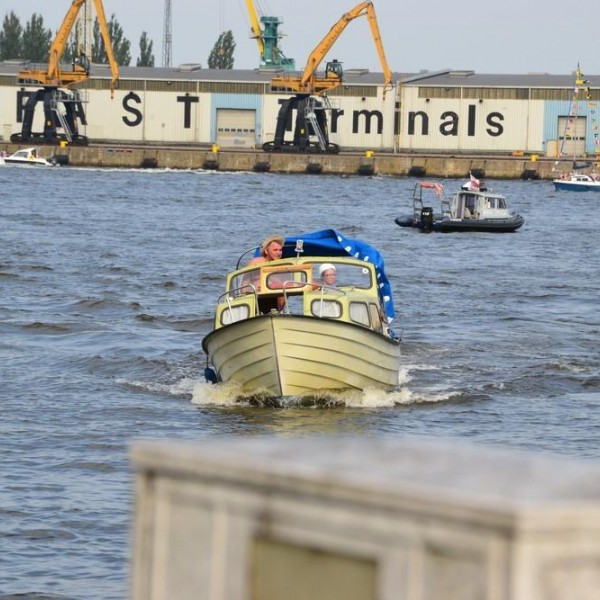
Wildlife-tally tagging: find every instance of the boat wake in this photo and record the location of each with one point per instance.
(180, 388)
(207, 394)
(229, 394)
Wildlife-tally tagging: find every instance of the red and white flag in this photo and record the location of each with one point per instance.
(475, 183)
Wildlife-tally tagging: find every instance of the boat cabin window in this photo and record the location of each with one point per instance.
(470, 203)
(495, 202)
(249, 281)
(286, 279)
(376, 317)
(347, 275)
(235, 313)
(245, 283)
(359, 313)
(326, 308)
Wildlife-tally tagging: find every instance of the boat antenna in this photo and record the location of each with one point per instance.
(299, 249)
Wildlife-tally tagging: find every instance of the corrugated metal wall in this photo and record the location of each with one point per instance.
(354, 122)
(178, 117)
(135, 116)
(558, 111)
(434, 124)
(470, 125)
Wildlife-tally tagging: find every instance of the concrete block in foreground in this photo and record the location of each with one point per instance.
(362, 519)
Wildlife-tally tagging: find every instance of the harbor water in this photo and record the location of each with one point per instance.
(108, 280)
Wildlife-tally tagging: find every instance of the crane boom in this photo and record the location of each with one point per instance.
(308, 82)
(52, 76)
(255, 25)
(265, 30)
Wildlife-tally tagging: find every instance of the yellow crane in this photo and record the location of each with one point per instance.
(56, 82)
(265, 30)
(310, 111)
(257, 33)
(309, 82)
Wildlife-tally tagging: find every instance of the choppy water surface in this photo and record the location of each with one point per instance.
(108, 280)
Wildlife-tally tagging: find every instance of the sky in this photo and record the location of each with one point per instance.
(510, 37)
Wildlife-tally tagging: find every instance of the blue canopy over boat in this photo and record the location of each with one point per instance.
(329, 242)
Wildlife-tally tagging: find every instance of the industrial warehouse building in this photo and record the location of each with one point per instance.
(447, 111)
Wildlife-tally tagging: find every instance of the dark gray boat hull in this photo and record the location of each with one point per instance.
(451, 225)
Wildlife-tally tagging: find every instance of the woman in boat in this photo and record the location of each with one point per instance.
(328, 274)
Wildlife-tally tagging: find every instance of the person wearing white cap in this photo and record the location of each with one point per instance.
(328, 274)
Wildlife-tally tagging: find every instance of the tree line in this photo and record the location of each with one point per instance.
(32, 42)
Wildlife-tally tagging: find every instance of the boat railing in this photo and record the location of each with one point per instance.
(417, 207)
(329, 290)
(418, 203)
(291, 284)
(229, 295)
(232, 294)
(308, 286)
(446, 209)
(239, 260)
(298, 249)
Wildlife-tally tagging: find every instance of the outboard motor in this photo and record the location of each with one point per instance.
(210, 375)
(427, 218)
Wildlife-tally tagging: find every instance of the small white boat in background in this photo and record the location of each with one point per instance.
(27, 156)
(577, 182)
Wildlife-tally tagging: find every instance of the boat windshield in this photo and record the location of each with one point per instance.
(347, 275)
(283, 278)
(355, 276)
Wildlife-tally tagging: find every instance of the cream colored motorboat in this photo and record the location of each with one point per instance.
(280, 331)
(28, 157)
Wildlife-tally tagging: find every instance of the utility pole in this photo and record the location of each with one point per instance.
(167, 36)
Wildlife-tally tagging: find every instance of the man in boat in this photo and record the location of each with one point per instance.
(270, 249)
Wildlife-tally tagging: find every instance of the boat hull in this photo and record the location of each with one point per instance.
(27, 157)
(295, 355)
(451, 225)
(27, 163)
(570, 186)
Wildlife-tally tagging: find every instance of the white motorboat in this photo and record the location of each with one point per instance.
(27, 156)
(577, 182)
(281, 331)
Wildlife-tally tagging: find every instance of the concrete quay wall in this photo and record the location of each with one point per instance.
(362, 519)
(347, 163)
